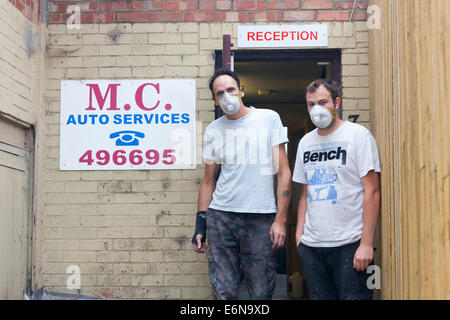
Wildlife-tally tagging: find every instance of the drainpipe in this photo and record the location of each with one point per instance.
(226, 52)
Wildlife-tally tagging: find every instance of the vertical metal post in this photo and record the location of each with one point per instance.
(226, 52)
(226, 63)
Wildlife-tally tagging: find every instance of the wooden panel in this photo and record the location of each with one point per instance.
(410, 85)
(12, 161)
(13, 225)
(11, 134)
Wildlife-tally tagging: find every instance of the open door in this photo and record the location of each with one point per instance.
(277, 79)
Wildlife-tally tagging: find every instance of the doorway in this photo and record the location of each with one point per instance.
(16, 210)
(276, 80)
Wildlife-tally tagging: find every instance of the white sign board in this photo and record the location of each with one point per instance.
(271, 36)
(127, 124)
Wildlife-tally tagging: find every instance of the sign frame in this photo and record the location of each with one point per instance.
(128, 124)
(278, 36)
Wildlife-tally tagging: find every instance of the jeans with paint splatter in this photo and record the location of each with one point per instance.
(240, 246)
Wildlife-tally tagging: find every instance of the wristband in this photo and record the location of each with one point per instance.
(200, 227)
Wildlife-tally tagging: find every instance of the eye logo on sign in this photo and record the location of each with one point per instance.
(127, 137)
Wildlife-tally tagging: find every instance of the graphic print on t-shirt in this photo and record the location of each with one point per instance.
(322, 164)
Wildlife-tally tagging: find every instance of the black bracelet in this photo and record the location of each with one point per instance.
(200, 227)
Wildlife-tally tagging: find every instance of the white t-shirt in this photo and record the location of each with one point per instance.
(243, 147)
(332, 166)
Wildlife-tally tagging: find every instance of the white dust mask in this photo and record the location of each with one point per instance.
(230, 104)
(321, 116)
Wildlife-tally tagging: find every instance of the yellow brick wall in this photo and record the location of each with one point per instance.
(129, 231)
(22, 81)
(15, 64)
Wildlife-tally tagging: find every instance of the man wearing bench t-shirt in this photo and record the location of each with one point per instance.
(244, 223)
(338, 167)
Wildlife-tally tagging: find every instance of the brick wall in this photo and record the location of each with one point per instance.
(27, 7)
(106, 11)
(16, 65)
(22, 77)
(129, 231)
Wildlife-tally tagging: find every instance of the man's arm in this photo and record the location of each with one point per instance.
(205, 193)
(278, 229)
(207, 186)
(371, 207)
(301, 213)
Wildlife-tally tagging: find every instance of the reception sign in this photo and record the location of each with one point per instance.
(272, 36)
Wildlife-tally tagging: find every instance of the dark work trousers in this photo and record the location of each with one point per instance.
(239, 245)
(330, 274)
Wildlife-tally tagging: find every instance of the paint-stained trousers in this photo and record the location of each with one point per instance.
(239, 244)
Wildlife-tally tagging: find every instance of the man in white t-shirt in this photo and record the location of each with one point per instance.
(245, 223)
(338, 167)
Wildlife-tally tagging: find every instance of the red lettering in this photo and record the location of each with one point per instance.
(119, 157)
(103, 157)
(138, 96)
(292, 34)
(276, 35)
(167, 154)
(86, 157)
(282, 35)
(100, 99)
(259, 36)
(135, 157)
(303, 37)
(152, 156)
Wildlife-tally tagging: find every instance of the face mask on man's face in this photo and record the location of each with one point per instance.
(321, 116)
(229, 103)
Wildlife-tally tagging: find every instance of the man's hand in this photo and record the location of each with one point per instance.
(363, 256)
(298, 236)
(277, 234)
(371, 207)
(200, 247)
(278, 229)
(198, 240)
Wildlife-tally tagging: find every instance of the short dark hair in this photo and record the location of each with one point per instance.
(221, 72)
(333, 87)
